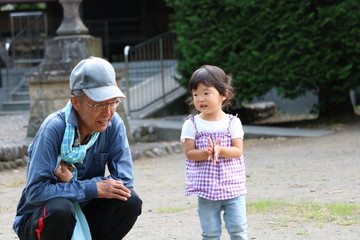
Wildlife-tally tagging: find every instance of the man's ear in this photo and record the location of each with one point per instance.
(75, 102)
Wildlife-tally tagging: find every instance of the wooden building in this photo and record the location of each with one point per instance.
(117, 22)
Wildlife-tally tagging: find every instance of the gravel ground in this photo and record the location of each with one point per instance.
(295, 170)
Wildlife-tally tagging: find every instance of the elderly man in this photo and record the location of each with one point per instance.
(67, 195)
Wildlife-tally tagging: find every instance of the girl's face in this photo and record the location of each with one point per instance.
(208, 101)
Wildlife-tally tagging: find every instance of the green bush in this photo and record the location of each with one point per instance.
(292, 46)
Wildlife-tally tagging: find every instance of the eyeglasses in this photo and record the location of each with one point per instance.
(102, 106)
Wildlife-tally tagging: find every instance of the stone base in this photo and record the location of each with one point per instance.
(49, 88)
(63, 53)
(49, 92)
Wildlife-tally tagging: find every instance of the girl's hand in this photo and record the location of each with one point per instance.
(216, 150)
(63, 172)
(210, 149)
(213, 149)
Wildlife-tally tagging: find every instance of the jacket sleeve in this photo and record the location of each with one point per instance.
(41, 182)
(120, 163)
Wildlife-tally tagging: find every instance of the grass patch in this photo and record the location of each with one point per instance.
(19, 182)
(264, 206)
(302, 233)
(170, 210)
(344, 214)
(177, 209)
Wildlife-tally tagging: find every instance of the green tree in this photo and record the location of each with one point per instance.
(292, 46)
(22, 6)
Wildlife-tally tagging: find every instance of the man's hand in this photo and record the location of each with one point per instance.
(111, 188)
(63, 172)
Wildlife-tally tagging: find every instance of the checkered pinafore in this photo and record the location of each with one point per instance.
(215, 181)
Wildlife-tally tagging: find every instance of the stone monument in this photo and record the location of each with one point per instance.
(49, 87)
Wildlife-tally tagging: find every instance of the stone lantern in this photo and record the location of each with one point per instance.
(49, 87)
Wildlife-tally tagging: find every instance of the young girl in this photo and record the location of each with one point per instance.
(215, 169)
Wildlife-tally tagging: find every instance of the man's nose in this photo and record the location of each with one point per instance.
(106, 109)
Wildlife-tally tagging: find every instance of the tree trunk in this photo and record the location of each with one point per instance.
(335, 102)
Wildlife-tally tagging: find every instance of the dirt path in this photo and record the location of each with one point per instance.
(297, 170)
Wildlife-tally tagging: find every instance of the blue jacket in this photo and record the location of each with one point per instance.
(111, 149)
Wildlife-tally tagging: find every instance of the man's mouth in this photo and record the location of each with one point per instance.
(103, 121)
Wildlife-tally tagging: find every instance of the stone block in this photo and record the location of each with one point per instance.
(19, 162)
(13, 165)
(145, 133)
(252, 112)
(260, 110)
(6, 165)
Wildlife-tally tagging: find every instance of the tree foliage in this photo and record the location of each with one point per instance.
(22, 6)
(292, 46)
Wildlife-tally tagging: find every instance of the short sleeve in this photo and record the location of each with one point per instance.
(236, 129)
(188, 130)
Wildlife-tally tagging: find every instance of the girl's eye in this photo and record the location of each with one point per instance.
(206, 93)
(195, 95)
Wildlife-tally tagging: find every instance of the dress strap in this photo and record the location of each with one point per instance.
(231, 117)
(192, 118)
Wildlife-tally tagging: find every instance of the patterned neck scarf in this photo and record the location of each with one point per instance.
(73, 155)
(69, 153)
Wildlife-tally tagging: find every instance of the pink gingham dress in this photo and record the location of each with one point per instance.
(215, 181)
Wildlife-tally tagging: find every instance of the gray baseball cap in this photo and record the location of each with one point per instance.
(96, 77)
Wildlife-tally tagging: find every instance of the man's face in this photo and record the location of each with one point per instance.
(90, 119)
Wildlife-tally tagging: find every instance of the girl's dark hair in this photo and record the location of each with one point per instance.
(212, 76)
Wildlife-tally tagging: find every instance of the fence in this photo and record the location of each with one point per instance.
(150, 72)
(25, 50)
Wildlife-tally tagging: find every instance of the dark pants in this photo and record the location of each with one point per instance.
(107, 218)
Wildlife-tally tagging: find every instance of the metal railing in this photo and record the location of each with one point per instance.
(150, 72)
(25, 49)
(28, 32)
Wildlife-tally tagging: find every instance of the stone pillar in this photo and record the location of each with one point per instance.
(49, 88)
(71, 23)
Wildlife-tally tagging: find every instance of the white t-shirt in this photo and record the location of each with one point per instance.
(188, 129)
